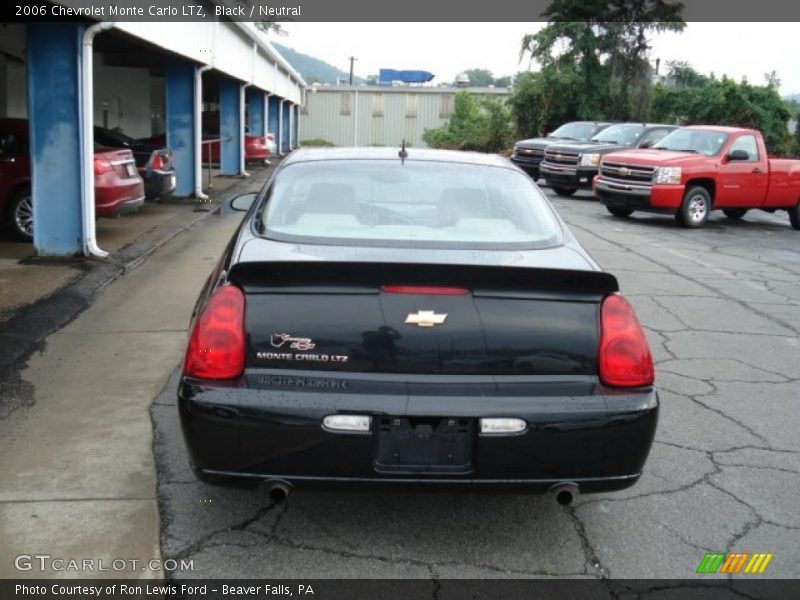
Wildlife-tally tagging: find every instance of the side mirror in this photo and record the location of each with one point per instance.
(243, 202)
(737, 155)
(647, 144)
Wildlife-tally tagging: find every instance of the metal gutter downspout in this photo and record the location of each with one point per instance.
(242, 101)
(90, 246)
(198, 131)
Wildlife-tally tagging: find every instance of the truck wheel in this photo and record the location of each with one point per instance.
(562, 191)
(695, 207)
(20, 215)
(794, 216)
(619, 211)
(735, 213)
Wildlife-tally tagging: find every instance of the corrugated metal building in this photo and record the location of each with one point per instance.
(379, 115)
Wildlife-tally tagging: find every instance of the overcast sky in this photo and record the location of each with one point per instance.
(446, 49)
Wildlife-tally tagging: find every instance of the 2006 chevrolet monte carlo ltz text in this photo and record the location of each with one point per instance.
(416, 317)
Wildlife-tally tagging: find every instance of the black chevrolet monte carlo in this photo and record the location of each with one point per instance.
(417, 319)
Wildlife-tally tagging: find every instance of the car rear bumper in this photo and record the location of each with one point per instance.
(256, 154)
(159, 183)
(666, 198)
(598, 441)
(119, 199)
(570, 177)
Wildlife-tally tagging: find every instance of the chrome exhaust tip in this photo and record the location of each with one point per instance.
(565, 493)
(279, 491)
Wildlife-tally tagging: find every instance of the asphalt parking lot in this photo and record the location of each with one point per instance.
(721, 307)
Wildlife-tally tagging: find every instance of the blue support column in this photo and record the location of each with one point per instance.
(54, 117)
(285, 128)
(179, 90)
(296, 109)
(230, 146)
(272, 120)
(255, 111)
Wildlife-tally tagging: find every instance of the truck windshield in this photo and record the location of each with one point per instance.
(624, 134)
(575, 131)
(701, 141)
(416, 204)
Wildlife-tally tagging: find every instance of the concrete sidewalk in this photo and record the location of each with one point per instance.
(25, 279)
(78, 479)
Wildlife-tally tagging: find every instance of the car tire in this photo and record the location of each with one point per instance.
(618, 211)
(794, 216)
(563, 191)
(695, 207)
(20, 214)
(735, 213)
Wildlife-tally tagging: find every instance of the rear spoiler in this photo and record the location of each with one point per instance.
(313, 277)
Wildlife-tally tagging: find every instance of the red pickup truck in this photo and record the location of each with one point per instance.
(697, 169)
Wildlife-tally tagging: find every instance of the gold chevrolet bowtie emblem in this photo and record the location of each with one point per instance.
(623, 171)
(425, 318)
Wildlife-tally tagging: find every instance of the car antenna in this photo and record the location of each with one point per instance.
(403, 154)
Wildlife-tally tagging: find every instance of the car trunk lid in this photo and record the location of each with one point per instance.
(422, 318)
(121, 161)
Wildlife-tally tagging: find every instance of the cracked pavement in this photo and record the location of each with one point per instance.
(721, 307)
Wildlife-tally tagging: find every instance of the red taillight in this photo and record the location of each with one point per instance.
(157, 161)
(101, 166)
(418, 289)
(216, 346)
(624, 357)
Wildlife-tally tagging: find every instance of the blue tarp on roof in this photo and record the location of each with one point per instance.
(387, 76)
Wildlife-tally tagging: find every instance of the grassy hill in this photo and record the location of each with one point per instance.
(311, 68)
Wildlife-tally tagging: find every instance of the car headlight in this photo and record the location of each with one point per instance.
(667, 175)
(590, 160)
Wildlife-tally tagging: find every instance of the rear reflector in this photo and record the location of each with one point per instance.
(502, 426)
(357, 423)
(430, 290)
(156, 161)
(101, 166)
(624, 357)
(216, 346)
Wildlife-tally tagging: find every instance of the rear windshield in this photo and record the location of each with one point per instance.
(620, 134)
(416, 204)
(700, 141)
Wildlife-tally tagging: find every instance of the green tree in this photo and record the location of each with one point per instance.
(795, 147)
(271, 27)
(481, 124)
(542, 101)
(606, 44)
(480, 77)
(690, 98)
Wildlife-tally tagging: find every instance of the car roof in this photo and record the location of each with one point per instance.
(648, 125)
(414, 154)
(719, 128)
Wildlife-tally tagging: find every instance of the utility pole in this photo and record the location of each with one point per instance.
(352, 59)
